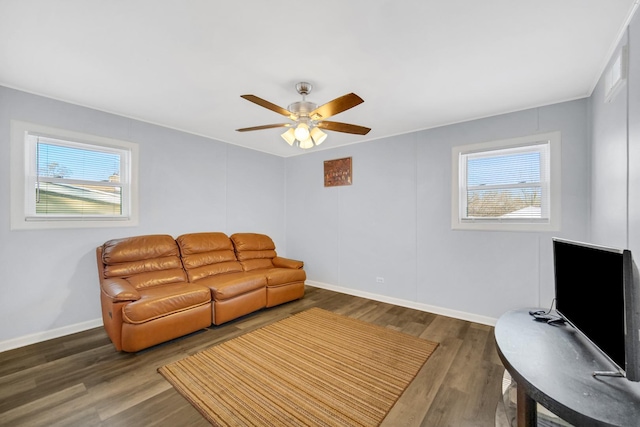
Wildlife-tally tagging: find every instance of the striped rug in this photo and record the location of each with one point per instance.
(315, 368)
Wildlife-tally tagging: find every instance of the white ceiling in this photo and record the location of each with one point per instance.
(418, 64)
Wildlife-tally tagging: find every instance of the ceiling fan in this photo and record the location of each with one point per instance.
(308, 119)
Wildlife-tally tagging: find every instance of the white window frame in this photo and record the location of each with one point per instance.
(615, 77)
(550, 169)
(23, 175)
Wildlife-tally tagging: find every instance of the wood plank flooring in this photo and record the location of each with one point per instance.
(80, 380)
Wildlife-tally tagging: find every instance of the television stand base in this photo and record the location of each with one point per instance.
(559, 374)
(617, 374)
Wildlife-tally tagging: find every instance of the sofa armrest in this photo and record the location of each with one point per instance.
(119, 290)
(287, 263)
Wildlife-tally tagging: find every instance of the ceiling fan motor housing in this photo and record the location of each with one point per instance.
(302, 109)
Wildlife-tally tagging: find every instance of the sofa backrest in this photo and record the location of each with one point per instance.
(207, 254)
(254, 251)
(143, 261)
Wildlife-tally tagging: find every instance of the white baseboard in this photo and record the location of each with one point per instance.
(476, 318)
(50, 334)
(89, 324)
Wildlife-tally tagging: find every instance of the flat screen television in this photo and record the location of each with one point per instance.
(598, 293)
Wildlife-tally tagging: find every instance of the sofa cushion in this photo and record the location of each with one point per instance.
(254, 251)
(196, 243)
(266, 254)
(162, 301)
(144, 261)
(257, 264)
(131, 268)
(157, 278)
(207, 254)
(226, 286)
(139, 248)
(252, 242)
(207, 270)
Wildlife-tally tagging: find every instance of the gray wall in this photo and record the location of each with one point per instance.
(615, 179)
(633, 115)
(609, 166)
(395, 220)
(187, 184)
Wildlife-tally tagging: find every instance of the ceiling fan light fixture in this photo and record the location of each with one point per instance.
(306, 143)
(289, 136)
(307, 118)
(318, 136)
(302, 132)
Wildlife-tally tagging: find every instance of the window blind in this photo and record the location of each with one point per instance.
(506, 184)
(75, 179)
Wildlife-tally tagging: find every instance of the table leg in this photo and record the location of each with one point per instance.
(527, 409)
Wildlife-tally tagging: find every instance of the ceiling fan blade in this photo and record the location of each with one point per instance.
(279, 125)
(266, 104)
(336, 106)
(344, 127)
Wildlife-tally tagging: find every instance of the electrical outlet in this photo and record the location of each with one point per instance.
(379, 279)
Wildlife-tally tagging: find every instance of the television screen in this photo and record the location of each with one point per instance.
(590, 294)
(598, 293)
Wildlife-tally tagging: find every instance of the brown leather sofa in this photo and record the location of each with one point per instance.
(155, 288)
(210, 260)
(285, 277)
(244, 273)
(146, 298)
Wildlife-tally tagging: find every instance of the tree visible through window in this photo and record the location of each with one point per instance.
(503, 184)
(77, 181)
(507, 182)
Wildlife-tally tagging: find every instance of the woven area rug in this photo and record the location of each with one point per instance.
(314, 368)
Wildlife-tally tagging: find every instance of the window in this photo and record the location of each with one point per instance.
(615, 77)
(67, 179)
(507, 185)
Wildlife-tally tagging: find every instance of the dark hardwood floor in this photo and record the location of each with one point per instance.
(80, 380)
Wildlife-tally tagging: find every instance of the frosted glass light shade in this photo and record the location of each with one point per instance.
(302, 132)
(289, 136)
(318, 136)
(307, 143)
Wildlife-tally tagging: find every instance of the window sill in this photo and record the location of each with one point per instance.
(491, 225)
(48, 223)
